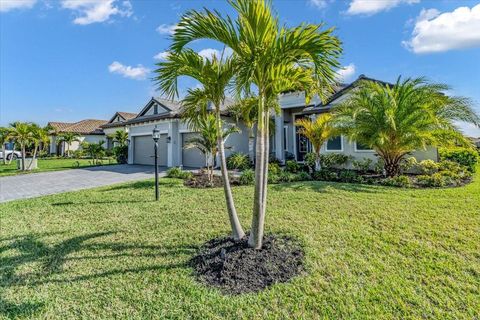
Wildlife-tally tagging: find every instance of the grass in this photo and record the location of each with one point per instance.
(53, 164)
(371, 252)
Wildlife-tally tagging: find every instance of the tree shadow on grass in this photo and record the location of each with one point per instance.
(322, 186)
(48, 262)
(71, 203)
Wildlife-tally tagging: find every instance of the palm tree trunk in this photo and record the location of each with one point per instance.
(251, 140)
(237, 231)
(258, 218)
(23, 156)
(68, 150)
(318, 166)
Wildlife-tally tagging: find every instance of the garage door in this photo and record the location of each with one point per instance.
(143, 150)
(191, 157)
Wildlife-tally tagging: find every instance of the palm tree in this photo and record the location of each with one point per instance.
(96, 150)
(39, 138)
(21, 133)
(215, 75)
(120, 137)
(271, 59)
(207, 140)
(395, 120)
(68, 138)
(317, 131)
(4, 138)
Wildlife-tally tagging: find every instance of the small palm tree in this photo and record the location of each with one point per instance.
(39, 138)
(68, 138)
(95, 150)
(4, 138)
(317, 131)
(207, 140)
(395, 120)
(21, 133)
(120, 137)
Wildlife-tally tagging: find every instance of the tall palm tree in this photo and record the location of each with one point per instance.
(207, 140)
(214, 74)
(395, 120)
(39, 138)
(120, 137)
(271, 59)
(4, 138)
(317, 131)
(68, 138)
(21, 133)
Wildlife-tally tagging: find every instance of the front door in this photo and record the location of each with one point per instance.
(302, 143)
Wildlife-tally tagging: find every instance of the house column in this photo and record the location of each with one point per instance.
(130, 148)
(279, 147)
(172, 143)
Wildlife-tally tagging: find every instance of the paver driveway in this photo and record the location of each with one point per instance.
(39, 184)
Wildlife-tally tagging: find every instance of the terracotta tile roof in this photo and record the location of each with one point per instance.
(127, 115)
(88, 126)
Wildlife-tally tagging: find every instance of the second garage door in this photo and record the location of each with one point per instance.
(143, 150)
(192, 157)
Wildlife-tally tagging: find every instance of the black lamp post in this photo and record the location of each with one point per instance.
(156, 136)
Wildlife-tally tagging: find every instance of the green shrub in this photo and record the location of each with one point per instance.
(273, 178)
(408, 164)
(464, 156)
(428, 167)
(121, 154)
(247, 177)
(379, 166)
(286, 176)
(79, 153)
(303, 176)
(174, 172)
(333, 160)
(292, 166)
(348, 176)
(363, 165)
(398, 181)
(434, 180)
(309, 160)
(325, 175)
(274, 168)
(238, 161)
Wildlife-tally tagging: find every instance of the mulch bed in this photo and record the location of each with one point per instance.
(234, 268)
(200, 180)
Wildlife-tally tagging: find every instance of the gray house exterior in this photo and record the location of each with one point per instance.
(286, 143)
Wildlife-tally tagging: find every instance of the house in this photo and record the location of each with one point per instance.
(88, 130)
(116, 122)
(286, 143)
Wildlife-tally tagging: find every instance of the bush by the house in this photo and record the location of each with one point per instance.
(178, 173)
(325, 175)
(274, 168)
(363, 166)
(333, 160)
(408, 164)
(464, 156)
(247, 177)
(292, 166)
(428, 167)
(434, 180)
(121, 154)
(398, 181)
(239, 161)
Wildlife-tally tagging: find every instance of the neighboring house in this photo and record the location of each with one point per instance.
(476, 141)
(88, 130)
(117, 122)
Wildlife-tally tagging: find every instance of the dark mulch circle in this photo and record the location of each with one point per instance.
(234, 268)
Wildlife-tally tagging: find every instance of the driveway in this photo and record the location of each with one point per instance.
(39, 184)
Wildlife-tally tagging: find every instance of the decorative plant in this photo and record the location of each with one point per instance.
(68, 138)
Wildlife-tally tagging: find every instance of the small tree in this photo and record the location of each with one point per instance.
(120, 137)
(39, 137)
(4, 138)
(395, 120)
(68, 138)
(95, 150)
(207, 140)
(317, 131)
(21, 133)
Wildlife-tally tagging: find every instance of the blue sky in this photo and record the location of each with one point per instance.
(69, 60)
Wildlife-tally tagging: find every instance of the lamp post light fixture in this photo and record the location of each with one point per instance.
(156, 137)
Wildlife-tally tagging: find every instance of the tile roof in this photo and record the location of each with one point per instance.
(127, 115)
(87, 126)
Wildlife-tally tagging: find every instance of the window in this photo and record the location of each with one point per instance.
(335, 144)
(362, 147)
(155, 109)
(285, 138)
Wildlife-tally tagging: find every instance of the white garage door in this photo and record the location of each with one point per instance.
(143, 150)
(192, 157)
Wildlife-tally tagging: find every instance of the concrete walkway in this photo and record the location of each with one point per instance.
(39, 184)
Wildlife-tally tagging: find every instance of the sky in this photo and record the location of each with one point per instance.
(68, 60)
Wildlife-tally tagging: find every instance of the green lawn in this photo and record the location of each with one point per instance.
(371, 252)
(49, 165)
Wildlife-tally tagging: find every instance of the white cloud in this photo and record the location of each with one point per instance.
(92, 11)
(346, 73)
(7, 5)
(437, 32)
(161, 55)
(319, 4)
(166, 28)
(208, 53)
(369, 7)
(138, 73)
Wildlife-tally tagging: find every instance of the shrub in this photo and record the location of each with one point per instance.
(292, 166)
(247, 177)
(274, 168)
(309, 160)
(174, 172)
(434, 180)
(286, 176)
(379, 166)
(333, 160)
(408, 164)
(238, 161)
(348, 176)
(325, 175)
(121, 153)
(303, 176)
(273, 178)
(398, 181)
(273, 159)
(428, 167)
(363, 165)
(464, 156)
(79, 153)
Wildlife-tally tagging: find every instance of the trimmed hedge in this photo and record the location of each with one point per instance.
(463, 156)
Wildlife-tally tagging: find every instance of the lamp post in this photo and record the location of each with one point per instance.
(156, 136)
